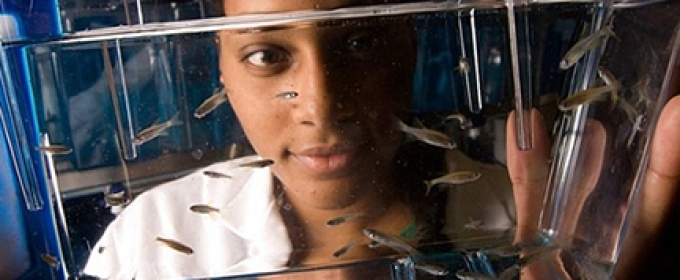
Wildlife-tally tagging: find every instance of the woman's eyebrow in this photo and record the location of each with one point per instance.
(324, 23)
(264, 29)
(279, 27)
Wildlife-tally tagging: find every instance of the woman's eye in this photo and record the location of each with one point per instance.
(266, 58)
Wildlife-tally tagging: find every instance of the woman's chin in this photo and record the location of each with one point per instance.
(330, 194)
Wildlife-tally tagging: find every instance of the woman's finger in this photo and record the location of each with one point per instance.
(657, 194)
(528, 172)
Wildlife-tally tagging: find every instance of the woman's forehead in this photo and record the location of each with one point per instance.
(237, 7)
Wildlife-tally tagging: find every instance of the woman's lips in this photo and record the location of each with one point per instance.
(326, 160)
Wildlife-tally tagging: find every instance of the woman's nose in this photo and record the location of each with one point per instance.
(324, 98)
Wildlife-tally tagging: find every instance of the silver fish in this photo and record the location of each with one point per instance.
(462, 120)
(641, 89)
(453, 178)
(514, 270)
(218, 98)
(575, 53)
(609, 79)
(55, 149)
(175, 245)
(344, 249)
(234, 151)
(637, 128)
(287, 95)
(258, 163)
(203, 209)
(495, 56)
(431, 269)
(116, 199)
(585, 96)
(390, 241)
(342, 219)
(155, 130)
(428, 136)
(215, 174)
(49, 259)
(536, 255)
(474, 224)
(504, 251)
(607, 76)
(463, 66)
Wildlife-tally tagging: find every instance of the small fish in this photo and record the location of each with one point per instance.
(474, 224)
(116, 199)
(504, 251)
(463, 66)
(197, 154)
(609, 79)
(258, 163)
(216, 175)
(287, 95)
(453, 178)
(641, 89)
(428, 136)
(175, 245)
(462, 120)
(585, 96)
(342, 219)
(55, 150)
(514, 270)
(234, 151)
(156, 130)
(495, 56)
(49, 259)
(431, 269)
(536, 255)
(607, 76)
(637, 128)
(203, 209)
(575, 53)
(390, 241)
(469, 275)
(373, 244)
(344, 249)
(218, 98)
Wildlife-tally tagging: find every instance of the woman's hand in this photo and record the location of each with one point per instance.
(529, 170)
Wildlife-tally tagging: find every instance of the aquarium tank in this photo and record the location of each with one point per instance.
(239, 139)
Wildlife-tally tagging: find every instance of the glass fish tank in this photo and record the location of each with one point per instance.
(344, 139)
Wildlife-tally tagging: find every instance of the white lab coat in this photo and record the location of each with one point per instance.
(248, 235)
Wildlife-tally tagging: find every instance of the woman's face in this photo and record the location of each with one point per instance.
(319, 98)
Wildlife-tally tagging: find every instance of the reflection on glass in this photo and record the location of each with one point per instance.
(320, 142)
